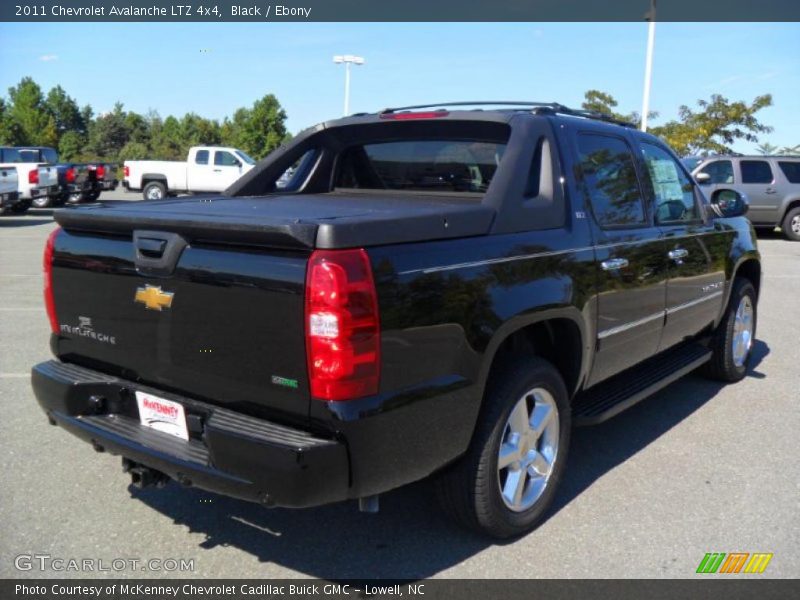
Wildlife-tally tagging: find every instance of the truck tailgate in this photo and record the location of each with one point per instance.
(223, 325)
(48, 176)
(8, 180)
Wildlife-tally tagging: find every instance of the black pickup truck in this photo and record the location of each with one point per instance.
(430, 292)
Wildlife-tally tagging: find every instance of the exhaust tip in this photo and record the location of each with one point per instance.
(369, 504)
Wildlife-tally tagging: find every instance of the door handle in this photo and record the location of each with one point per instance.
(678, 255)
(770, 190)
(217, 170)
(613, 264)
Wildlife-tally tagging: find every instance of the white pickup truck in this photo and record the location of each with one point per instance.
(207, 169)
(34, 180)
(9, 196)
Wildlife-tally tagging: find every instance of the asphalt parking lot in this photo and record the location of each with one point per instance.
(697, 468)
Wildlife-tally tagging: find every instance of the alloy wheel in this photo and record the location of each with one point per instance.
(528, 450)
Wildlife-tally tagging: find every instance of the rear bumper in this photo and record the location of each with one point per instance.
(49, 191)
(106, 186)
(228, 453)
(9, 199)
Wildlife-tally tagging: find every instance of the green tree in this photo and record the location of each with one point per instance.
(198, 131)
(70, 146)
(65, 111)
(35, 125)
(792, 150)
(134, 151)
(257, 130)
(715, 126)
(108, 134)
(766, 148)
(137, 128)
(604, 103)
(166, 142)
(10, 132)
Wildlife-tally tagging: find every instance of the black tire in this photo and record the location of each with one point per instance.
(154, 190)
(470, 489)
(791, 224)
(722, 365)
(92, 196)
(20, 208)
(41, 202)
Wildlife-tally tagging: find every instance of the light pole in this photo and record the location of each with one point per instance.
(650, 16)
(347, 59)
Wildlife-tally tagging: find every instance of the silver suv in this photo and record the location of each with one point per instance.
(771, 183)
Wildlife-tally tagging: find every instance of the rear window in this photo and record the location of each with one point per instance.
(791, 170)
(11, 155)
(755, 171)
(459, 166)
(50, 155)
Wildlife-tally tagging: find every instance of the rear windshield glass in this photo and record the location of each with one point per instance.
(11, 155)
(420, 166)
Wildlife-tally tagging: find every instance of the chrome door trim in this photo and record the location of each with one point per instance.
(695, 302)
(626, 326)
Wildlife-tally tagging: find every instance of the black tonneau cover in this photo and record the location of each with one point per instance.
(332, 220)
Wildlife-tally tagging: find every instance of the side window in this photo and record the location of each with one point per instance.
(293, 177)
(225, 159)
(201, 158)
(606, 164)
(755, 171)
(791, 170)
(672, 188)
(720, 171)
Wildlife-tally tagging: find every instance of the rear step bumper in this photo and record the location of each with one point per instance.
(228, 453)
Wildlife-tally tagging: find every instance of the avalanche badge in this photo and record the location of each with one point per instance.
(153, 298)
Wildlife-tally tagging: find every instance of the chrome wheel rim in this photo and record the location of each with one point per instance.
(742, 331)
(796, 224)
(154, 193)
(528, 449)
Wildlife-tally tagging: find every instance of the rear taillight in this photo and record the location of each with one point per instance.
(342, 327)
(101, 171)
(126, 171)
(49, 303)
(33, 176)
(70, 175)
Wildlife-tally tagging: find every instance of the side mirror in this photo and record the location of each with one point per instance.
(702, 178)
(729, 203)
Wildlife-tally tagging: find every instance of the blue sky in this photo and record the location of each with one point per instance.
(212, 69)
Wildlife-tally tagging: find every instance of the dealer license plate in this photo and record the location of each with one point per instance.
(162, 415)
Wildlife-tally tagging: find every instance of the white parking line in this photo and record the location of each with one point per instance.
(14, 375)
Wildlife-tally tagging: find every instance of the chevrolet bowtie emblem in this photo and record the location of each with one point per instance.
(153, 298)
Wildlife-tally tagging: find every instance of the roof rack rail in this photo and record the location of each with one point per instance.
(537, 107)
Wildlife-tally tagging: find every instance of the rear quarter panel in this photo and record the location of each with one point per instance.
(445, 308)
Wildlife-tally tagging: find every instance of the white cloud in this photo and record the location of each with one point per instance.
(48, 57)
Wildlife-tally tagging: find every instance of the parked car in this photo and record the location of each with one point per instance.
(104, 179)
(771, 184)
(433, 292)
(207, 169)
(74, 180)
(9, 194)
(35, 179)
